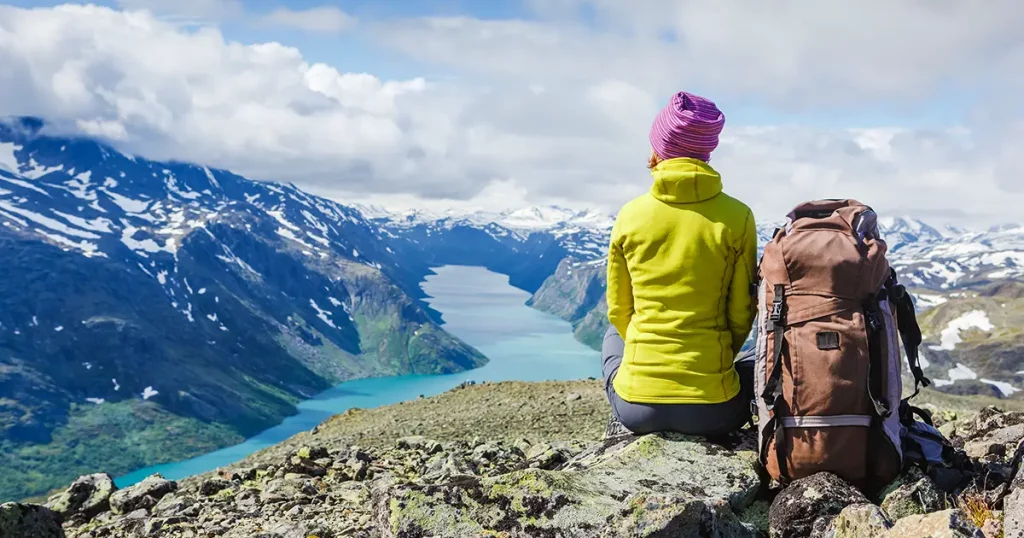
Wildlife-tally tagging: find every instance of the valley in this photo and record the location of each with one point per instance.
(151, 312)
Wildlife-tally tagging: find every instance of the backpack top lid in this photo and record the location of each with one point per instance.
(829, 257)
(858, 218)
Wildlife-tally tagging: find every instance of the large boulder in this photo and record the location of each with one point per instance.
(945, 524)
(656, 485)
(143, 495)
(810, 505)
(29, 520)
(87, 497)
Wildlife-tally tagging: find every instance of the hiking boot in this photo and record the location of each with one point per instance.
(615, 429)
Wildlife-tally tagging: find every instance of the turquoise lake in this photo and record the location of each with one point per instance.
(478, 306)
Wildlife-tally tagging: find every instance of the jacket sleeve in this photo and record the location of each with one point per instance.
(620, 286)
(741, 306)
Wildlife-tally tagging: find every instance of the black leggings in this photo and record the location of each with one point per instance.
(690, 419)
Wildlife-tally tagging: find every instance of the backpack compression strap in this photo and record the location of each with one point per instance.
(910, 332)
(772, 394)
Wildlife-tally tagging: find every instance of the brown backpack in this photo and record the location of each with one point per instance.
(828, 372)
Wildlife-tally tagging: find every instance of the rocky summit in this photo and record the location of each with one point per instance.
(449, 466)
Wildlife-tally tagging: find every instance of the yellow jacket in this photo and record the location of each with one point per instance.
(680, 267)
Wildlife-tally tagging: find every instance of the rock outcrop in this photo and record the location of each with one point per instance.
(418, 485)
(655, 485)
(810, 505)
(86, 498)
(28, 520)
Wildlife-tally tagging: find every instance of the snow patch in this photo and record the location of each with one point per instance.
(128, 204)
(7, 159)
(961, 372)
(950, 336)
(47, 222)
(284, 232)
(1004, 388)
(148, 393)
(101, 225)
(322, 314)
(23, 184)
(96, 401)
(87, 249)
(116, 385)
(929, 301)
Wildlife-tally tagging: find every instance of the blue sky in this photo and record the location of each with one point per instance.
(489, 102)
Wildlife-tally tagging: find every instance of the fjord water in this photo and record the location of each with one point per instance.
(478, 306)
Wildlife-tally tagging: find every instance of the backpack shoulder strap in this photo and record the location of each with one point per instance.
(772, 393)
(910, 331)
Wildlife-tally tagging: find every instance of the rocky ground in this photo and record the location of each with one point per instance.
(528, 460)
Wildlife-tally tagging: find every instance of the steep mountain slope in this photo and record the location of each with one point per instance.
(180, 298)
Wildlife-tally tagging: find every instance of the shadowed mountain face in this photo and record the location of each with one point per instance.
(150, 311)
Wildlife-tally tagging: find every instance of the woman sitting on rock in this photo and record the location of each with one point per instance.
(682, 260)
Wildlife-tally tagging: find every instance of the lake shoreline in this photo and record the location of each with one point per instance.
(477, 306)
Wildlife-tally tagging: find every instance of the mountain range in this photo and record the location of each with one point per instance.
(151, 311)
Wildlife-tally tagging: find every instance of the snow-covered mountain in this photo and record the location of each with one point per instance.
(926, 256)
(181, 305)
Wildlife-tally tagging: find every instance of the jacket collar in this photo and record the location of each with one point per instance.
(685, 181)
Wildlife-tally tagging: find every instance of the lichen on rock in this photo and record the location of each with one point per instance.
(654, 482)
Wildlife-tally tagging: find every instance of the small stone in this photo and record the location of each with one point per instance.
(358, 469)
(946, 524)
(418, 442)
(173, 505)
(242, 474)
(485, 452)
(860, 521)
(810, 505)
(312, 453)
(19, 520)
(141, 513)
(993, 528)
(281, 490)
(980, 450)
(213, 486)
(573, 397)
(357, 453)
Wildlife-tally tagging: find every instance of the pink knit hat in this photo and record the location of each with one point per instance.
(688, 126)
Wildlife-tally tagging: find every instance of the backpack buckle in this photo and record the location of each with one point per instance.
(776, 315)
(873, 322)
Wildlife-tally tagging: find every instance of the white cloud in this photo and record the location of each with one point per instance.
(795, 54)
(327, 19)
(552, 110)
